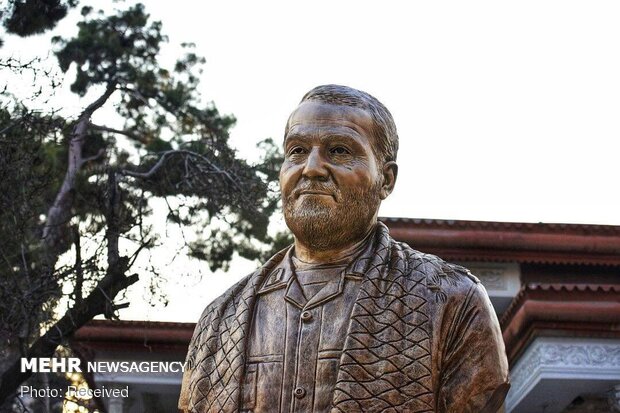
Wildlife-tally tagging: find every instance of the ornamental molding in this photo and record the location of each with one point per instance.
(566, 358)
(492, 278)
(499, 279)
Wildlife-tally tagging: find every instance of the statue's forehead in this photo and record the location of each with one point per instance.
(319, 114)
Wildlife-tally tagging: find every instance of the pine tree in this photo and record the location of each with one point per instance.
(65, 180)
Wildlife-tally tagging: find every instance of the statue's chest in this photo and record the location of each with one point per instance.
(294, 346)
(387, 358)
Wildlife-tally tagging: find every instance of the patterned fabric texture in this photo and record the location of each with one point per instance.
(386, 364)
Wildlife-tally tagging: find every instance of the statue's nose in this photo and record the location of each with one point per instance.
(315, 167)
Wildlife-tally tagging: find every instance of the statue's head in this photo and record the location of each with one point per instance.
(340, 149)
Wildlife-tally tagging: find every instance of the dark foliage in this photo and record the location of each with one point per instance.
(28, 17)
(67, 182)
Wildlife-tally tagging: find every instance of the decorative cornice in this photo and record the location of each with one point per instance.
(134, 334)
(563, 292)
(560, 310)
(140, 324)
(557, 287)
(511, 242)
(563, 358)
(539, 227)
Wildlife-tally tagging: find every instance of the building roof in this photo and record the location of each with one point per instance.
(590, 310)
(133, 335)
(510, 241)
(566, 308)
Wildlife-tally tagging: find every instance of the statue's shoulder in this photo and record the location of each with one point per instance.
(217, 306)
(228, 300)
(441, 277)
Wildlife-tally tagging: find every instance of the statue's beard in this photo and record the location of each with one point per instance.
(324, 226)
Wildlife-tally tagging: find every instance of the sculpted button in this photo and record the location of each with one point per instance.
(299, 392)
(306, 316)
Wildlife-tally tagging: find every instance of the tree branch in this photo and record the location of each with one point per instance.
(95, 157)
(99, 301)
(60, 212)
(153, 170)
(90, 109)
(162, 160)
(118, 131)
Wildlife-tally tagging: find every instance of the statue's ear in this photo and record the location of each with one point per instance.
(390, 172)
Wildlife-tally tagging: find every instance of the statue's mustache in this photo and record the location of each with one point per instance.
(327, 187)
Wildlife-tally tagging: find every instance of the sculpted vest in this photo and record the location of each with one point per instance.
(423, 337)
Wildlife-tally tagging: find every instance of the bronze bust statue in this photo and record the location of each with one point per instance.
(346, 319)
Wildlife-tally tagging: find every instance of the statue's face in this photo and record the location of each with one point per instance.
(330, 179)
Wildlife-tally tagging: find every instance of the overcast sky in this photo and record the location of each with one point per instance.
(506, 111)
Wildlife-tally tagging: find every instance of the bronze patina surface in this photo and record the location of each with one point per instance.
(346, 319)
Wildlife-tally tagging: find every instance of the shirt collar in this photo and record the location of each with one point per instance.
(371, 256)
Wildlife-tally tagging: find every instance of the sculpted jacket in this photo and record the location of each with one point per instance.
(423, 337)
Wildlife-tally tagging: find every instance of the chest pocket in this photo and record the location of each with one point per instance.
(249, 388)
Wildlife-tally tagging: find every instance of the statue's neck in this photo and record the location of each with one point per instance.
(312, 256)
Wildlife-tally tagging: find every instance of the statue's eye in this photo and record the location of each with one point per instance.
(339, 150)
(297, 150)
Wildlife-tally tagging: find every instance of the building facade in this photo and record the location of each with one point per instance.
(555, 288)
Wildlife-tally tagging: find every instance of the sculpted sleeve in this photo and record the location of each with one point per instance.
(184, 396)
(204, 327)
(472, 360)
(183, 404)
(219, 331)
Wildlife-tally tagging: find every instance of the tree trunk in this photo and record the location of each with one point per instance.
(99, 301)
